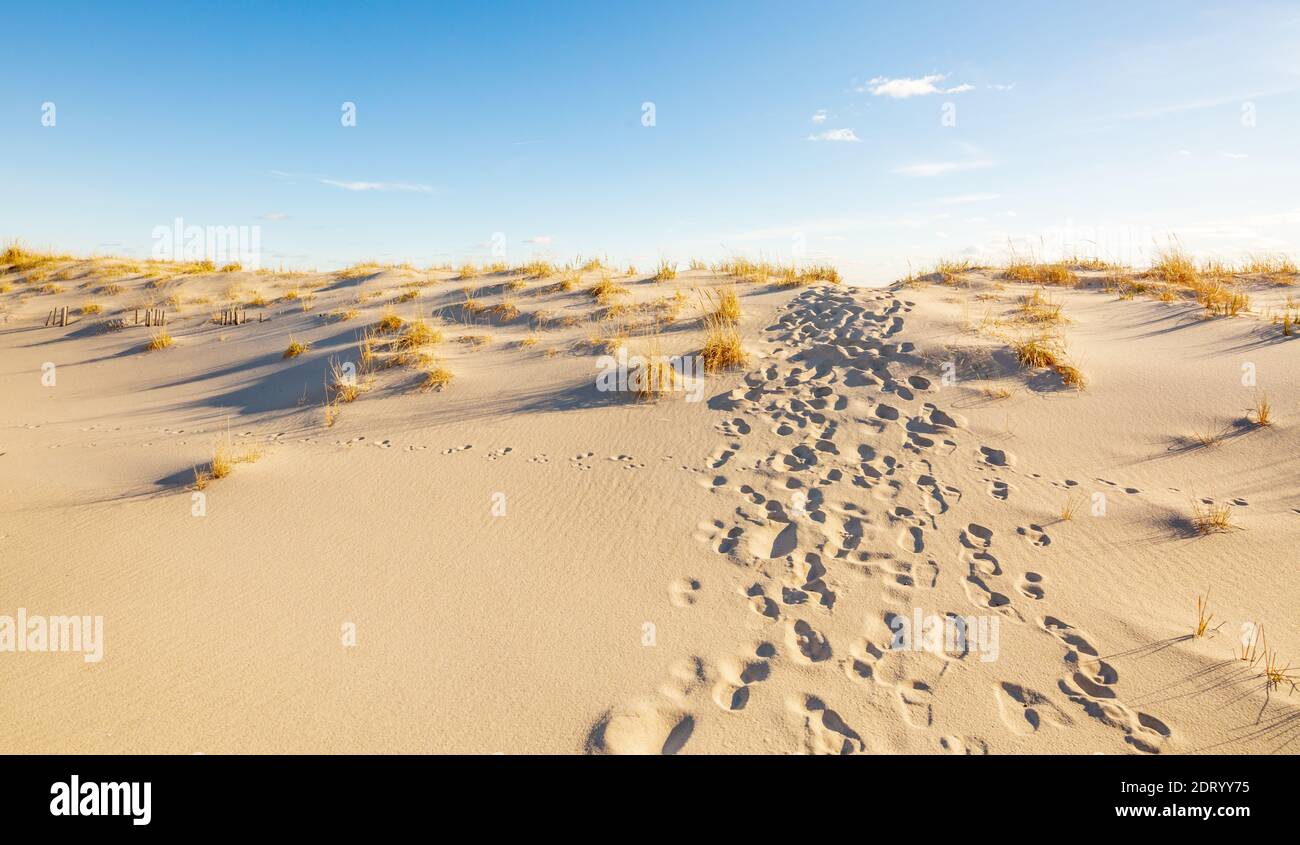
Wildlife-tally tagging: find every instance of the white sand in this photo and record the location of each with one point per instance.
(527, 632)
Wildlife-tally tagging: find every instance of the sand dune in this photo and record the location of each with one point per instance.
(528, 564)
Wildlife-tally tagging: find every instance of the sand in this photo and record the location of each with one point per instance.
(521, 563)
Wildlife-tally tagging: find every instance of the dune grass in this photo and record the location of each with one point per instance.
(1212, 518)
(160, 340)
(606, 289)
(435, 376)
(1263, 411)
(389, 323)
(655, 377)
(223, 462)
(537, 269)
(665, 272)
(418, 333)
(296, 347)
(722, 345)
(1204, 617)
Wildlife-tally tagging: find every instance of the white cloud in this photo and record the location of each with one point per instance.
(399, 187)
(275, 215)
(901, 89)
(939, 168)
(835, 135)
(963, 199)
(997, 87)
(819, 116)
(541, 240)
(1236, 155)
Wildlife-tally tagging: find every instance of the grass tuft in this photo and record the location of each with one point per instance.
(722, 347)
(296, 347)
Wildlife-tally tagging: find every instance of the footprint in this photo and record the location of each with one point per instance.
(825, 732)
(683, 592)
(808, 643)
(1024, 710)
(644, 728)
(1031, 585)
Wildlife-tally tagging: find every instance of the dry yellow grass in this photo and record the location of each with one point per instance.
(1263, 411)
(418, 333)
(341, 385)
(466, 272)
(505, 310)
(296, 348)
(1038, 308)
(1071, 376)
(224, 460)
(436, 377)
(728, 305)
(1176, 267)
(1275, 674)
(388, 323)
(1037, 352)
(995, 393)
(330, 411)
(722, 345)
(1212, 517)
(570, 280)
(1203, 617)
(606, 289)
(722, 304)
(666, 272)
(91, 308)
(537, 269)
(655, 377)
(160, 340)
(1056, 273)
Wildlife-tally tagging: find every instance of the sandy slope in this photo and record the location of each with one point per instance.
(706, 577)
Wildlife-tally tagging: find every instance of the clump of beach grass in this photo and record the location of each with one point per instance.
(1212, 518)
(722, 345)
(160, 340)
(296, 347)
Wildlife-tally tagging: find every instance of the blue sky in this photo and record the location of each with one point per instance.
(783, 130)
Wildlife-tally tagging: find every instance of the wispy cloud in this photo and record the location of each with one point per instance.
(399, 187)
(274, 215)
(904, 87)
(835, 135)
(939, 168)
(966, 199)
(997, 87)
(350, 185)
(819, 116)
(540, 240)
(1236, 155)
